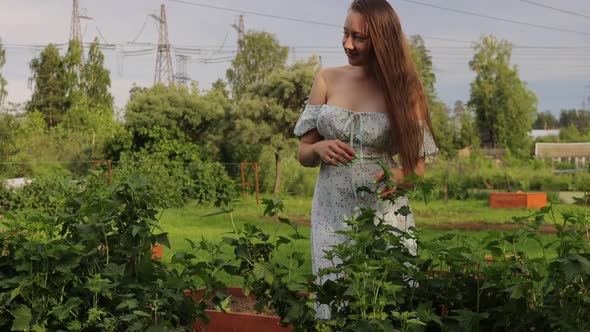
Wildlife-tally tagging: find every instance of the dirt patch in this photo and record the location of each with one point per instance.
(448, 226)
(239, 304)
(248, 305)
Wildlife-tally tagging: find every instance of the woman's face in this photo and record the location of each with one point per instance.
(355, 40)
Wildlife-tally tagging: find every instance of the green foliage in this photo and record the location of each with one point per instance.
(179, 172)
(91, 261)
(95, 78)
(267, 117)
(378, 284)
(71, 67)
(49, 86)
(3, 82)
(571, 134)
(443, 128)
(174, 113)
(505, 108)
(272, 280)
(466, 177)
(260, 55)
(8, 147)
(580, 119)
(423, 62)
(546, 120)
(466, 134)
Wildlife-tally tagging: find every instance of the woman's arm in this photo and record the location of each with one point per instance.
(312, 146)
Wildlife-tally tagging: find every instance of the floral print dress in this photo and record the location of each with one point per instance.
(335, 196)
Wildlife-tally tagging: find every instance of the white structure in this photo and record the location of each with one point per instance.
(537, 133)
(16, 183)
(577, 154)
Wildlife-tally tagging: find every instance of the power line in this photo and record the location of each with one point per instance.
(534, 3)
(253, 13)
(465, 12)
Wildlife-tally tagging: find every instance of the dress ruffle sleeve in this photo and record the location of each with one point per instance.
(428, 145)
(307, 120)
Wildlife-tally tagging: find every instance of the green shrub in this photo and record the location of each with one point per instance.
(179, 172)
(88, 266)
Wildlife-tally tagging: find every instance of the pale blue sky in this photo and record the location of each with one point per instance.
(555, 64)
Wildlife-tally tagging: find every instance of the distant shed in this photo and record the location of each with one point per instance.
(577, 154)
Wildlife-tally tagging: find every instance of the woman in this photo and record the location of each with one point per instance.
(360, 114)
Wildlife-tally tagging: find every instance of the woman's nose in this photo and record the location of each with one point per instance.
(347, 43)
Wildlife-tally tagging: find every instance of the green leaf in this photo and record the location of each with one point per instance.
(162, 239)
(63, 311)
(218, 212)
(282, 240)
(262, 271)
(22, 318)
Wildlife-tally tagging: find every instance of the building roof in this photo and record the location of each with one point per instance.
(556, 150)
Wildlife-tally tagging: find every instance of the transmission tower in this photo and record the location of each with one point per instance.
(75, 29)
(240, 28)
(181, 76)
(163, 73)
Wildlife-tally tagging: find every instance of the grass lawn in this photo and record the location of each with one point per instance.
(437, 211)
(191, 222)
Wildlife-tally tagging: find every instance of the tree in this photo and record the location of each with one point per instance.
(220, 86)
(3, 82)
(546, 120)
(95, 78)
(49, 86)
(269, 115)
(260, 55)
(467, 134)
(443, 128)
(423, 62)
(505, 108)
(175, 113)
(72, 65)
(578, 118)
(8, 147)
(441, 123)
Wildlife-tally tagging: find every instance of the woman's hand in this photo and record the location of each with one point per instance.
(334, 152)
(397, 175)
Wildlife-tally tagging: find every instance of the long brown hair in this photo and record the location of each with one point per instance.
(392, 67)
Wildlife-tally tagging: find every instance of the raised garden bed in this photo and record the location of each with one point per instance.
(241, 318)
(518, 200)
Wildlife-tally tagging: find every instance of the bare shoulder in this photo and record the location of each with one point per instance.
(331, 74)
(325, 80)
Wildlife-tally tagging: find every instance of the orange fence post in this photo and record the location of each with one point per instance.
(245, 184)
(96, 162)
(256, 181)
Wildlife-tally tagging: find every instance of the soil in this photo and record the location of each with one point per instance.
(243, 305)
(483, 226)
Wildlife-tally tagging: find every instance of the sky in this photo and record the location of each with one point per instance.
(551, 46)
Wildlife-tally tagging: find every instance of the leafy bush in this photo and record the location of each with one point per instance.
(463, 176)
(179, 172)
(377, 283)
(88, 266)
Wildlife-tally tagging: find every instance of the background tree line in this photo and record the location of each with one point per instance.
(176, 133)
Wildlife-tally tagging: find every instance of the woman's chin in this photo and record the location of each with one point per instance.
(354, 62)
